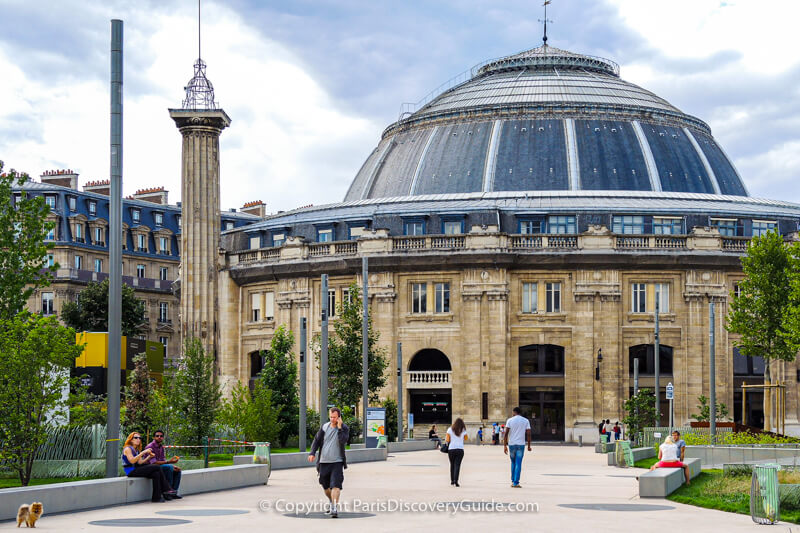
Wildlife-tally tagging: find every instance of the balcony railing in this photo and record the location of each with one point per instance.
(533, 242)
(636, 242)
(319, 249)
(408, 243)
(735, 244)
(450, 242)
(429, 379)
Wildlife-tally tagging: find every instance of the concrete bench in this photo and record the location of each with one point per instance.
(638, 455)
(282, 461)
(94, 493)
(662, 482)
(410, 445)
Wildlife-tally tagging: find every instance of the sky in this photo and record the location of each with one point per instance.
(310, 85)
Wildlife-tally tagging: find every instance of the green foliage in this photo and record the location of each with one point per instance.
(641, 409)
(742, 437)
(195, 393)
(138, 398)
(705, 410)
(759, 314)
(161, 408)
(85, 408)
(90, 312)
(23, 249)
(312, 424)
(391, 419)
(35, 357)
(234, 411)
(791, 317)
(261, 424)
(344, 354)
(353, 422)
(280, 376)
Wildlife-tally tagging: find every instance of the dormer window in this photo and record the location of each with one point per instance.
(178, 218)
(50, 201)
(414, 227)
(99, 236)
(73, 203)
(141, 243)
(229, 224)
(255, 242)
(278, 239)
(93, 208)
(136, 215)
(159, 219)
(325, 235)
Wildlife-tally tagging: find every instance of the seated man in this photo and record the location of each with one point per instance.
(668, 458)
(171, 471)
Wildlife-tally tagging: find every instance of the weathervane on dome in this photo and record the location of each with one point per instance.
(199, 91)
(545, 21)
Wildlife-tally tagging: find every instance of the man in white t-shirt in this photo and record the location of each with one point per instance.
(518, 432)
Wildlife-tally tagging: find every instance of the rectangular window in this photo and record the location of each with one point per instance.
(255, 242)
(414, 228)
(51, 235)
(140, 272)
(163, 311)
(136, 215)
(47, 303)
(354, 232)
(79, 232)
(229, 224)
(269, 306)
(452, 227)
(99, 236)
(159, 219)
(553, 294)
(726, 227)
(638, 298)
(141, 243)
(442, 298)
(51, 261)
(324, 235)
(278, 239)
(73, 203)
(164, 341)
(419, 297)
(737, 290)
(98, 265)
(628, 224)
(255, 307)
(50, 201)
(163, 245)
(662, 297)
(667, 226)
(561, 224)
(163, 273)
(527, 227)
(530, 297)
(78, 262)
(761, 227)
(93, 208)
(332, 302)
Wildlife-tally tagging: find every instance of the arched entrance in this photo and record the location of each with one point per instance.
(541, 389)
(428, 381)
(645, 353)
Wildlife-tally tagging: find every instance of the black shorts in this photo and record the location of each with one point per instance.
(331, 475)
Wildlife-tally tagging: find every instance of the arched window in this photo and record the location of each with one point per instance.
(645, 353)
(429, 359)
(537, 359)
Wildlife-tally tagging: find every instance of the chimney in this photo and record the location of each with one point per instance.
(156, 195)
(64, 178)
(257, 208)
(98, 187)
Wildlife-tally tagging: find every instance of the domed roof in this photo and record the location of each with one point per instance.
(545, 120)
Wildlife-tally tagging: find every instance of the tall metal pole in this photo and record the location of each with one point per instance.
(302, 426)
(115, 256)
(323, 359)
(399, 392)
(632, 438)
(713, 373)
(657, 364)
(364, 346)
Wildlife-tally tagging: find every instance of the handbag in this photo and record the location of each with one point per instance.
(444, 447)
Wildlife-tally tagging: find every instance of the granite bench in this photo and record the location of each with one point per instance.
(661, 482)
(638, 455)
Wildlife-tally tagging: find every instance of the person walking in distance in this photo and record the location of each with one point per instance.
(456, 435)
(330, 440)
(518, 432)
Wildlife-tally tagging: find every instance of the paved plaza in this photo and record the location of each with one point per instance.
(571, 487)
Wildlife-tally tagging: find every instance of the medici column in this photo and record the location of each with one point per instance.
(200, 123)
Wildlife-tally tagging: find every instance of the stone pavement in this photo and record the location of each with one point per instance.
(572, 487)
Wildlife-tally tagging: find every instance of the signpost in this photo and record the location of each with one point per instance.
(376, 425)
(670, 397)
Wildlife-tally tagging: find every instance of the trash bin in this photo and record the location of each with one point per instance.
(765, 494)
(261, 455)
(381, 441)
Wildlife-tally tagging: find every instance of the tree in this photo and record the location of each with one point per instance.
(261, 423)
(85, 408)
(280, 376)
(138, 397)
(641, 410)
(344, 354)
(90, 312)
(196, 392)
(35, 356)
(23, 246)
(705, 410)
(234, 411)
(391, 419)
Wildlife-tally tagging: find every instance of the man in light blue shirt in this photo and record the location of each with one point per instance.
(518, 432)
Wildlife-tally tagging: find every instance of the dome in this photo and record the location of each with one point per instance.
(545, 120)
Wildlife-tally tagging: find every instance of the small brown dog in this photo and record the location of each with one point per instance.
(29, 513)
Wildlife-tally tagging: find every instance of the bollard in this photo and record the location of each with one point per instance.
(580, 441)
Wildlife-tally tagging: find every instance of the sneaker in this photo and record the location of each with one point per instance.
(517, 486)
(334, 512)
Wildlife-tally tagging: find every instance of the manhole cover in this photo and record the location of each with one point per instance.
(616, 506)
(202, 512)
(140, 522)
(328, 517)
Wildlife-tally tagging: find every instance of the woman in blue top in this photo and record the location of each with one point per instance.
(134, 462)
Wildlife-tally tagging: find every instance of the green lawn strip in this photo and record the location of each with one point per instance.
(14, 483)
(712, 490)
(646, 463)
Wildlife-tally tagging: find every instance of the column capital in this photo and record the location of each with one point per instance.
(198, 119)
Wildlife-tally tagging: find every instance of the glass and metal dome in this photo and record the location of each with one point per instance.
(545, 120)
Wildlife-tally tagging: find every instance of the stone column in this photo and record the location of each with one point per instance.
(200, 220)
